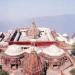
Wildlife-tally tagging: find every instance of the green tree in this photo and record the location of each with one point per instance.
(73, 46)
(2, 72)
(72, 71)
(73, 49)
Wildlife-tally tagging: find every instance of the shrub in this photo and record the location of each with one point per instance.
(72, 71)
(3, 72)
(73, 49)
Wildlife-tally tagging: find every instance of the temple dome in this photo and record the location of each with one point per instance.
(14, 50)
(65, 35)
(53, 51)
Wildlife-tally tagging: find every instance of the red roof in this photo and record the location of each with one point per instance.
(38, 43)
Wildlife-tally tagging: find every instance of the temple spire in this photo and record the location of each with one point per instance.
(33, 23)
(33, 30)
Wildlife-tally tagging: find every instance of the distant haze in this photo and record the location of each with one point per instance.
(62, 24)
(56, 14)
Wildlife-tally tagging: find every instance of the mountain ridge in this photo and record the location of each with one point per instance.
(61, 23)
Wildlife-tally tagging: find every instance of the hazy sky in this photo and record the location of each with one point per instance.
(19, 9)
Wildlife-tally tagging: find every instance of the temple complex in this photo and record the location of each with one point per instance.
(35, 51)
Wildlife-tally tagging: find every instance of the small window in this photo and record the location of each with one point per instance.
(24, 47)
